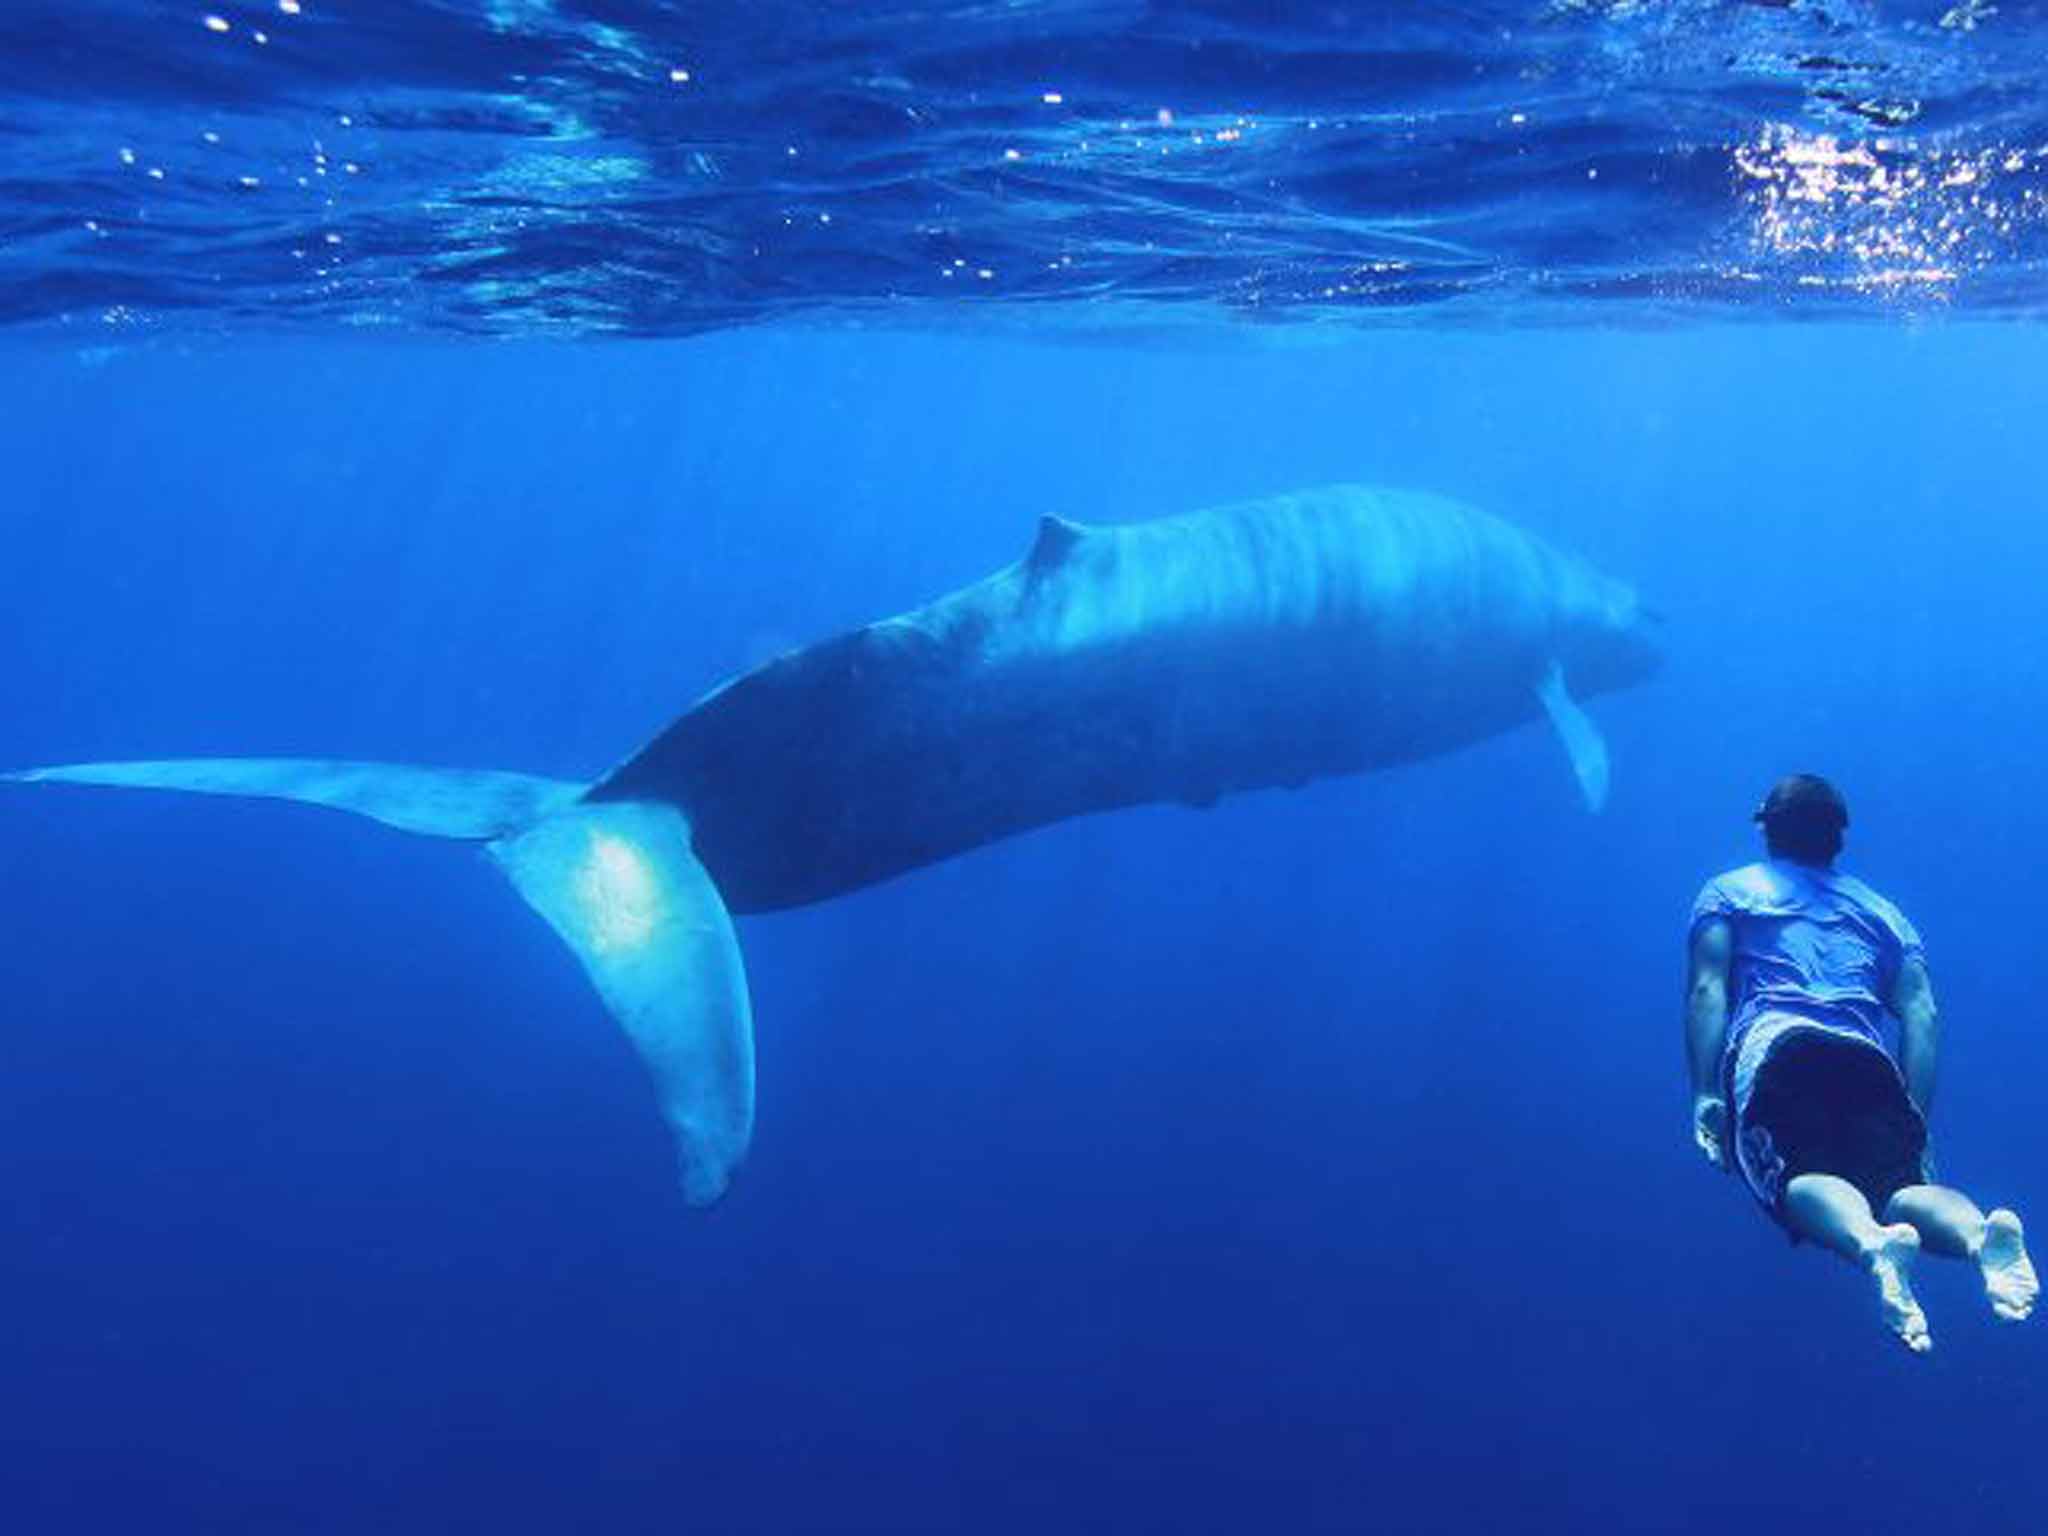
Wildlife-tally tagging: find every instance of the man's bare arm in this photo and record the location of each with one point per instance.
(1706, 1032)
(1912, 1001)
(1706, 1005)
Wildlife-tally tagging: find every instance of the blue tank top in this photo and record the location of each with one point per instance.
(1809, 942)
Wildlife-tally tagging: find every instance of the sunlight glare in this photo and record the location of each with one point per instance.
(620, 894)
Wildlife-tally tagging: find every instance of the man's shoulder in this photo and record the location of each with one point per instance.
(1879, 906)
(1746, 888)
(1757, 882)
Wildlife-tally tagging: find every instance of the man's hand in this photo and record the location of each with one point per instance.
(1710, 1128)
(1709, 956)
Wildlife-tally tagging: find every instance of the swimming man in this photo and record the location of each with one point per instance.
(1793, 969)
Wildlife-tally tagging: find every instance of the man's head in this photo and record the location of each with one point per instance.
(1803, 817)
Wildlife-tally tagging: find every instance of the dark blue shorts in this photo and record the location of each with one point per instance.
(1825, 1103)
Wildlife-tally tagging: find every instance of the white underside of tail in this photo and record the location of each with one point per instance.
(617, 880)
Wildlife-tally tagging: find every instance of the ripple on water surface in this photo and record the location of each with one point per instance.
(529, 166)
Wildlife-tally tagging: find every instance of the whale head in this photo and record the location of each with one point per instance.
(1605, 636)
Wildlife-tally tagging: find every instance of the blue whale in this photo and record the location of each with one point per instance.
(1244, 647)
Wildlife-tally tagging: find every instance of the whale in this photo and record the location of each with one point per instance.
(1259, 645)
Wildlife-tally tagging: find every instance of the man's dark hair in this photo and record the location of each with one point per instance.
(1803, 817)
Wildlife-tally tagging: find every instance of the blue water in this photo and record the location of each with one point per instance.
(1316, 1162)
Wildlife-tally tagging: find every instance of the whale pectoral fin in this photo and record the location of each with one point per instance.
(619, 882)
(1582, 740)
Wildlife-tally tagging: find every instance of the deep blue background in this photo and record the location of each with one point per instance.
(1316, 1162)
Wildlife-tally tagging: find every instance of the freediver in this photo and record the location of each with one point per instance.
(1793, 969)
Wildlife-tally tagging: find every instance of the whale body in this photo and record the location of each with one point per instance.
(1243, 647)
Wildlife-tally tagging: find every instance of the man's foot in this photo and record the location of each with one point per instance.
(1889, 1263)
(2009, 1278)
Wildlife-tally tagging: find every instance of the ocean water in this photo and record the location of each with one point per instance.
(1315, 1162)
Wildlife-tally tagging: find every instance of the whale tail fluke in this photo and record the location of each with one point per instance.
(617, 880)
(476, 805)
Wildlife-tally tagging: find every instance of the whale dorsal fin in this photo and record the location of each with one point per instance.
(1055, 541)
(1581, 737)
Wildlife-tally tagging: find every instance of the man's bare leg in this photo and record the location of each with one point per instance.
(1950, 1224)
(1833, 1213)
